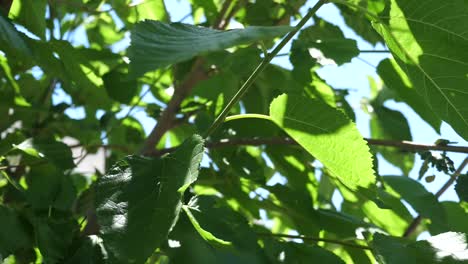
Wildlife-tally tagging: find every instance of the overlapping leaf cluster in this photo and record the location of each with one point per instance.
(71, 87)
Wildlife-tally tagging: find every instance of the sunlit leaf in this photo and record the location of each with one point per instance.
(329, 136)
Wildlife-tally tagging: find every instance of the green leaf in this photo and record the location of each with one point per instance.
(461, 187)
(208, 8)
(54, 237)
(430, 43)
(13, 232)
(49, 187)
(424, 202)
(390, 124)
(289, 252)
(91, 251)
(206, 235)
(119, 87)
(31, 14)
(309, 254)
(329, 136)
(132, 12)
(223, 223)
(394, 220)
(448, 247)
(157, 44)
(11, 41)
(457, 219)
(396, 79)
(56, 152)
(291, 162)
(139, 200)
(328, 39)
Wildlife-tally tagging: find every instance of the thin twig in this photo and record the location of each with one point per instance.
(415, 223)
(413, 146)
(316, 239)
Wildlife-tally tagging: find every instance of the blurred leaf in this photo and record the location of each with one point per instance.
(457, 219)
(293, 163)
(448, 247)
(206, 235)
(90, 251)
(461, 187)
(14, 234)
(223, 223)
(432, 51)
(156, 44)
(424, 202)
(119, 87)
(290, 252)
(131, 12)
(391, 124)
(210, 10)
(53, 237)
(11, 41)
(329, 40)
(394, 220)
(136, 186)
(49, 187)
(31, 14)
(357, 17)
(308, 122)
(128, 133)
(430, 178)
(103, 31)
(56, 152)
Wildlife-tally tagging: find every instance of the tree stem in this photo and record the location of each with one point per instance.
(266, 61)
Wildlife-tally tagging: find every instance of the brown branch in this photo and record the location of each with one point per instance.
(406, 145)
(165, 122)
(412, 146)
(414, 225)
(316, 239)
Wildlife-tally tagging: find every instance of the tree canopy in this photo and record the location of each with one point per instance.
(249, 159)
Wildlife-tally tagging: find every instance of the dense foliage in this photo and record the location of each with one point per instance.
(247, 156)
